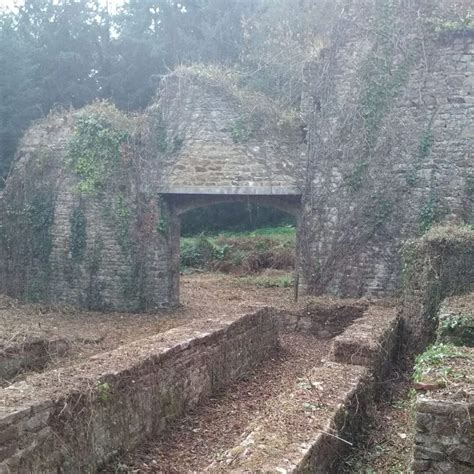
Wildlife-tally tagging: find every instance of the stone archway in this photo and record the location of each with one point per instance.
(179, 204)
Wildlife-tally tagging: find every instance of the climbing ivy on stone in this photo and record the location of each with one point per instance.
(429, 214)
(384, 74)
(78, 239)
(95, 150)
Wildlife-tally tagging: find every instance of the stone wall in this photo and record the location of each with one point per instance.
(213, 137)
(109, 247)
(439, 265)
(115, 400)
(444, 439)
(278, 445)
(390, 108)
(323, 319)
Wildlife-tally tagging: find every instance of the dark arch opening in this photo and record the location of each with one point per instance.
(238, 216)
(252, 253)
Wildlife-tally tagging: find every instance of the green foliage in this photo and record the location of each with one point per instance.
(355, 179)
(199, 252)
(426, 143)
(456, 19)
(457, 329)
(41, 216)
(454, 321)
(382, 75)
(163, 224)
(103, 389)
(424, 150)
(429, 214)
(248, 252)
(95, 151)
(269, 281)
(234, 217)
(94, 299)
(435, 362)
(123, 218)
(241, 131)
(78, 240)
(380, 212)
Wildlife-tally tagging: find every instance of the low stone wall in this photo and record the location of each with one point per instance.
(76, 419)
(444, 440)
(348, 391)
(325, 320)
(313, 447)
(436, 266)
(444, 415)
(33, 355)
(371, 341)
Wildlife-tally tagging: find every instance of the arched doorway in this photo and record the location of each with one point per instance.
(180, 204)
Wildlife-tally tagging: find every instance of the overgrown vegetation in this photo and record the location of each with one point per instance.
(78, 234)
(246, 252)
(68, 53)
(95, 149)
(436, 364)
(233, 217)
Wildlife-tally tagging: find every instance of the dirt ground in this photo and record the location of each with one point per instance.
(216, 427)
(203, 296)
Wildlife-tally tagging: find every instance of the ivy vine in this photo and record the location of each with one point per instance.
(94, 151)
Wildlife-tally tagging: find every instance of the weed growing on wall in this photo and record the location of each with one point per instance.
(28, 236)
(435, 363)
(241, 131)
(95, 149)
(424, 151)
(429, 214)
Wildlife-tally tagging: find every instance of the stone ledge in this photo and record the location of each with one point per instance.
(76, 419)
(371, 341)
(228, 190)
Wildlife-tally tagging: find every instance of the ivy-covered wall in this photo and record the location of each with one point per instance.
(390, 109)
(438, 265)
(75, 225)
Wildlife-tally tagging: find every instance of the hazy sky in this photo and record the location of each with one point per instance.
(13, 3)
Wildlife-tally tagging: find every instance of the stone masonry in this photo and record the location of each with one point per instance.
(389, 112)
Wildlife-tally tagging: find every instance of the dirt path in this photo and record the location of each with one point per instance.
(212, 429)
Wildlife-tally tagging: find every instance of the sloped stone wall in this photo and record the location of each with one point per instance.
(439, 265)
(107, 248)
(390, 109)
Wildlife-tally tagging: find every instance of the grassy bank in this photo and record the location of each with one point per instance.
(241, 252)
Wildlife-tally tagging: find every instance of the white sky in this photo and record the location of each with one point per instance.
(4, 4)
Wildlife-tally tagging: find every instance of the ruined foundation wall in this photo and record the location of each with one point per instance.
(439, 265)
(444, 439)
(116, 400)
(390, 108)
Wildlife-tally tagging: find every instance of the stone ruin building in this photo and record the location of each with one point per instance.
(382, 149)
